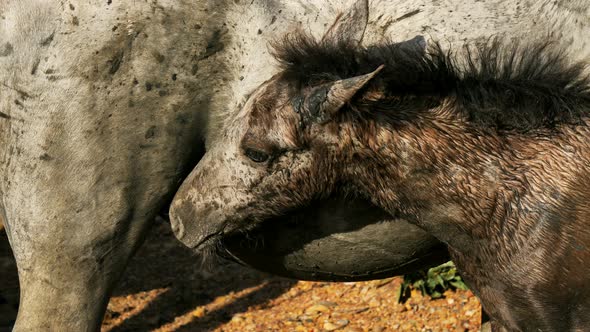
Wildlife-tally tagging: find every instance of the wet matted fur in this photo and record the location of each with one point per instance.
(476, 147)
(499, 84)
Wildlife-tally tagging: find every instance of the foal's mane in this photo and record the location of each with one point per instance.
(497, 84)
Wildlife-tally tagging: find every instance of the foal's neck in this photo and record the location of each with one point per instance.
(459, 184)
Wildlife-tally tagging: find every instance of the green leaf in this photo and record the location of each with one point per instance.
(459, 285)
(433, 282)
(436, 295)
(440, 281)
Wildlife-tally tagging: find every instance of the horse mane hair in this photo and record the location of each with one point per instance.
(497, 84)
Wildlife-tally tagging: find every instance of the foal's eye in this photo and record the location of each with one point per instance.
(256, 155)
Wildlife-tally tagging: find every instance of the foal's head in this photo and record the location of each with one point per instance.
(338, 111)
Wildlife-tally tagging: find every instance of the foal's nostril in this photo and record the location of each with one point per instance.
(176, 220)
(195, 221)
(177, 228)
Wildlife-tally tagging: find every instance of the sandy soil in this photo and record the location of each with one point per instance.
(164, 289)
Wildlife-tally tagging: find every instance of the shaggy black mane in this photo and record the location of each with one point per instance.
(498, 84)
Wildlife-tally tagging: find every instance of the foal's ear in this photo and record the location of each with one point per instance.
(350, 25)
(324, 101)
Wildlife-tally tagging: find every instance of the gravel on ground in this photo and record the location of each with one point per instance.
(166, 289)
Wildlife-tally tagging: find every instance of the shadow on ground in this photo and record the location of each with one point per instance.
(173, 276)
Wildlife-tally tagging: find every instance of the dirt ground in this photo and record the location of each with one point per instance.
(164, 289)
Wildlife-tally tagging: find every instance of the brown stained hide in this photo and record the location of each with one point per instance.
(496, 167)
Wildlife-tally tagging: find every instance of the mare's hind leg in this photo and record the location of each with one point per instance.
(68, 264)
